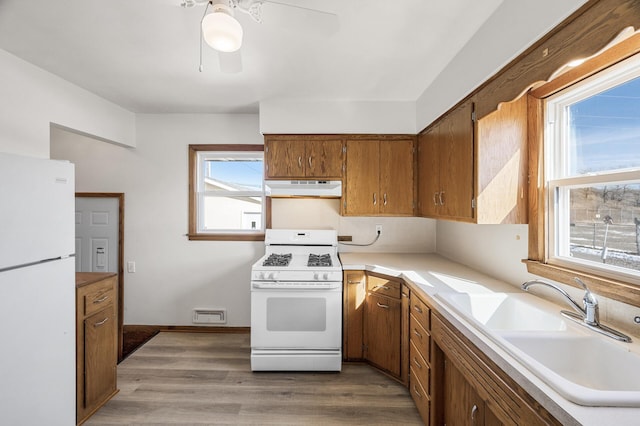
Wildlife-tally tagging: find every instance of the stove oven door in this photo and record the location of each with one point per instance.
(296, 319)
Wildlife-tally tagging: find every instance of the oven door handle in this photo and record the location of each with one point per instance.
(266, 285)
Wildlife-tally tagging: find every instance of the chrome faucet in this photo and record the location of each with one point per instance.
(588, 315)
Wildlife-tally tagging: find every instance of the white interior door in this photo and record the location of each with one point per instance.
(97, 234)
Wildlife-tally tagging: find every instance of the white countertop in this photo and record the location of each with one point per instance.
(435, 274)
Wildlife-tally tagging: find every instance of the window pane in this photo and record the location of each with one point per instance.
(233, 174)
(604, 130)
(605, 224)
(232, 213)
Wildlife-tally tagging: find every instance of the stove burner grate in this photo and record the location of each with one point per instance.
(319, 260)
(277, 260)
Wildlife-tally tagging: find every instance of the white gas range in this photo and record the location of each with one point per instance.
(296, 302)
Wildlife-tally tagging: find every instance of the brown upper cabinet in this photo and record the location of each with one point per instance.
(502, 164)
(475, 171)
(379, 177)
(303, 156)
(445, 166)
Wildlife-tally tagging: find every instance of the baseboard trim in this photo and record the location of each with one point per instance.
(187, 329)
(200, 329)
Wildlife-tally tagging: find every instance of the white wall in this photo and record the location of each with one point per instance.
(289, 116)
(399, 234)
(496, 250)
(173, 275)
(32, 99)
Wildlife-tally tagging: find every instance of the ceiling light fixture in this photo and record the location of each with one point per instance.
(220, 29)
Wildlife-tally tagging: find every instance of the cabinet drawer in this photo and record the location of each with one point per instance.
(419, 368)
(98, 296)
(420, 397)
(421, 311)
(420, 337)
(383, 286)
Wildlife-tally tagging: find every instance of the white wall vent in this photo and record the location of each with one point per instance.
(210, 316)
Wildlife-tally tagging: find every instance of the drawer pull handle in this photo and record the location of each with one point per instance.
(354, 282)
(102, 299)
(380, 305)
(416, 333)
(417, 392)
(98, 324)
(385, 198)
(384, 287)
(417, 363)
(417, 309)
(310, 162)
(299, 162)
(375, 200)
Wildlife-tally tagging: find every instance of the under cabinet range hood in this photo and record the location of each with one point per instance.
(304, 188)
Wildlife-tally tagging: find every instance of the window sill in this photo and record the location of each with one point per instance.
(226, 237)
(606, 287)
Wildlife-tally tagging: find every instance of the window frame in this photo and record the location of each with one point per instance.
(194, 233)
(614, 287)
(559, 178)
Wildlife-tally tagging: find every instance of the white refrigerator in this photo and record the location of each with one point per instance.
(37, 292)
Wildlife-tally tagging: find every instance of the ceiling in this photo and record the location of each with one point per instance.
(144, 54)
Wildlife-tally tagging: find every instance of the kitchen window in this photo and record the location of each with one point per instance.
(592, 169)
(226, 192)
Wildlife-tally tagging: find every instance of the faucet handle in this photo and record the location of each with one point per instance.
(590, 303)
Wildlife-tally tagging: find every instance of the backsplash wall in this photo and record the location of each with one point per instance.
(399, 234)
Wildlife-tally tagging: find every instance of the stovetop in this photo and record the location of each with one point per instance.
(275, 259)
(293, 255)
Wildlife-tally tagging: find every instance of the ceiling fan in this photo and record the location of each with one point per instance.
(222, 31)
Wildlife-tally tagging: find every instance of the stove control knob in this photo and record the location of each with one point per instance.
(261, 276)
(272, 276)
(325, 276)
(316, 276)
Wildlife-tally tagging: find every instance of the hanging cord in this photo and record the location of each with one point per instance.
(200, 68)
(362, 245)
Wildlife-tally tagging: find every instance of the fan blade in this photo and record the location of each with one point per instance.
(299, 18)
(230, 62)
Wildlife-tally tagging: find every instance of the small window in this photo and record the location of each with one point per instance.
(592, 147)
(227, 199)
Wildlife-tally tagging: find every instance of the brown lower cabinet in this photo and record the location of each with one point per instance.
(375, 321)
(382, 329)
(462, 404)
(472, 390)
(96, 341)
(393, 326)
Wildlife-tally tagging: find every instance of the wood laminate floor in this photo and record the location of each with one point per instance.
(205, 378)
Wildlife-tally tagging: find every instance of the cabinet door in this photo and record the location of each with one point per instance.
(456, 163)
(324, 158)
(428, 172)
(396, 177)
(354, 301)
(284, 158)
(362, 195)
(462, 404)
(501, 177)
(382, 332)
(100, 356)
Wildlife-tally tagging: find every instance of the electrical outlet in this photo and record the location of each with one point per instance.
(378, 229)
